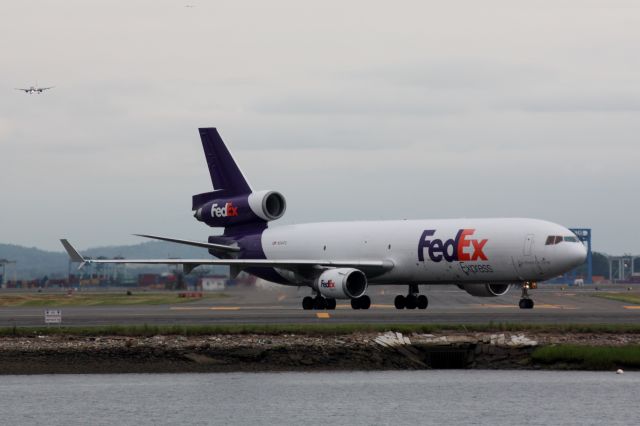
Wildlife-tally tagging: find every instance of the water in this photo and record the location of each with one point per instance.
(354, 398)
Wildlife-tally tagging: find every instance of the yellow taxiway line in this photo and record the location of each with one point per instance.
(205, 308)
(537, 306)
(376, 306)
(373, 305)
(323, 315)
(554, 306)
(486, 305)
(632, 307)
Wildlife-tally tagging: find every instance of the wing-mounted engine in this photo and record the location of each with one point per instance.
(341, 283)
(486, 290)
(261, 206)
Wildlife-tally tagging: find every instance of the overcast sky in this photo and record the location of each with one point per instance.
(352, 109)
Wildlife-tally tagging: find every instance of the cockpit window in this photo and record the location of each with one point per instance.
(553, 239)
(557, 239)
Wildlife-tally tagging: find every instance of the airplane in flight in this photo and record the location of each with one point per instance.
(339, 260)
(35, 89)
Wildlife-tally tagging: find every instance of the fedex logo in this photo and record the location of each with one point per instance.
(327, 284)
(462, 248)
(229, 210)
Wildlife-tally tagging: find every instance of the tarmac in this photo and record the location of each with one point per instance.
(282, 305)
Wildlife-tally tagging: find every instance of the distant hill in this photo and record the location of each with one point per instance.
(32, 263)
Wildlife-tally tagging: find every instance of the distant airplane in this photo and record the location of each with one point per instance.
(190, 5)
(35, 89)
(338, 260)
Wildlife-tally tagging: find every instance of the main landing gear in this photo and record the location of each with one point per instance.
(525, 301)
(318, 303)
(412, 300)
(362, 302)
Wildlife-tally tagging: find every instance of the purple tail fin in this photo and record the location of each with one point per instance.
(232, 204)
(225, 173)
(226, 177)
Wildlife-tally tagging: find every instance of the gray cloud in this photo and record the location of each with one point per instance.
(579, 102)
(457, 109)
(459, 73)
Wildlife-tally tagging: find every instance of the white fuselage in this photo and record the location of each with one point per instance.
(447, 251)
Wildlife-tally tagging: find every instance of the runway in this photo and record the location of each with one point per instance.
(282, 305)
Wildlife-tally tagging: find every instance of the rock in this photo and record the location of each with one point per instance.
(199, 358)
(520, 341)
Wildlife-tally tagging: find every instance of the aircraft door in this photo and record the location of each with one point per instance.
(528, 245)
(529, 265)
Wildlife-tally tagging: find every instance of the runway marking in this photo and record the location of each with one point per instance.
(373, 305)
(632, 307)
(323, 315)
(486, 305)
(540, 306)
(205, 308)
(555, 307)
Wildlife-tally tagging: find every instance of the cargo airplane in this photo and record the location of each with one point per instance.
(340, 260)
(35, 89)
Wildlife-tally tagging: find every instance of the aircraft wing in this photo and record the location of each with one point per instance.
(371, 266)
(222, 247)
(24, 90)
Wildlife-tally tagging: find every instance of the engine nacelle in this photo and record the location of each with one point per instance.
(341, 283)
(261, 206)
(486, 290)
(268, 205)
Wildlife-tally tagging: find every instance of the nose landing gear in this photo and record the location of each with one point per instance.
(525, 301)
(412, 300)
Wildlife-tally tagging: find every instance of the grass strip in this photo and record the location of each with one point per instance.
(98, 299)
(312, 329)
(589, 357)
(620, 297)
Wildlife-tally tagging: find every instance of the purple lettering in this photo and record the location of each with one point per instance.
(424, 243)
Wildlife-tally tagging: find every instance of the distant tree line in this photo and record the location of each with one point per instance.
(601, 265)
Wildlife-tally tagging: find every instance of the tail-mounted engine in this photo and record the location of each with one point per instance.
(486, 290)
(341, 283)
(261, 206)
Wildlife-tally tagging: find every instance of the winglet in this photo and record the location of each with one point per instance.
(73, 253)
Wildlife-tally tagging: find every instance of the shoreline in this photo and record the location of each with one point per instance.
(365, 351)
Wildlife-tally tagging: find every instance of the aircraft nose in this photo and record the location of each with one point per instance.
(578, 254)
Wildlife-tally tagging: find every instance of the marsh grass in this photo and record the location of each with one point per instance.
(589, 357)
(96, 299)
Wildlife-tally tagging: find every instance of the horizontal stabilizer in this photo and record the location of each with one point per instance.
(72, 252)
